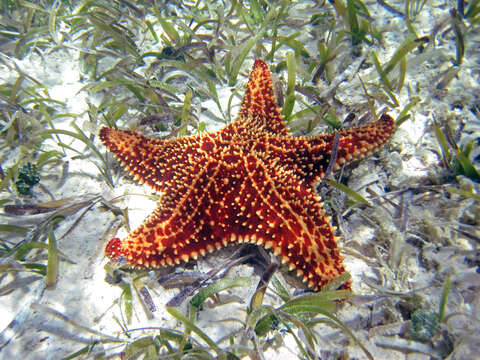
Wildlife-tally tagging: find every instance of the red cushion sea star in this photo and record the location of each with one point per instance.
(251, 181)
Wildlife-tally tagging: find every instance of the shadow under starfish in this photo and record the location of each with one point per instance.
(251, 181)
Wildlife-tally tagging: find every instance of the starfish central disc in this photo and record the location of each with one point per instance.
(251, 181)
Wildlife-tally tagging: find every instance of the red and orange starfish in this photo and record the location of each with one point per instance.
(252, 182)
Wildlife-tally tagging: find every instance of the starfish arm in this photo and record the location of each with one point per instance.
(177, 230)
(157, 163)
(290, 220)
(359, 142)
(259, 108)
(309, 158)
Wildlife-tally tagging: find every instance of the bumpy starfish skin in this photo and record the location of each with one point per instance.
(252, 182)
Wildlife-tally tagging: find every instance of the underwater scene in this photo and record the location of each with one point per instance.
(240, 179)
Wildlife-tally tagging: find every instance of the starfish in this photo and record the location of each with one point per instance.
(251, 181)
